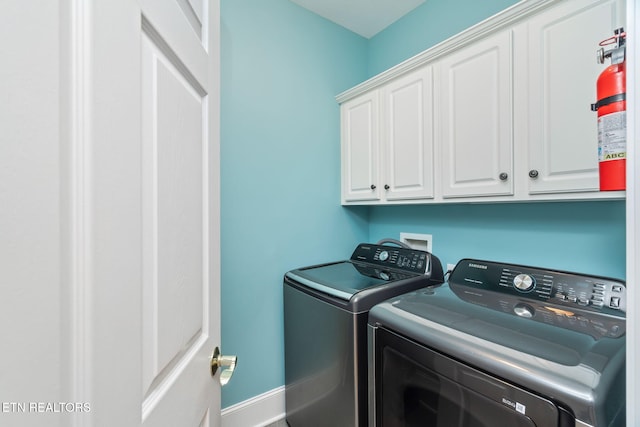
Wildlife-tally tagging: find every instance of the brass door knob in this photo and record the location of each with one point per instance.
(226, 363)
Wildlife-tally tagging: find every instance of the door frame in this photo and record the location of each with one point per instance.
(633, 211)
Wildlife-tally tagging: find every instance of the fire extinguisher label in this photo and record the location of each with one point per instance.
(612, 136)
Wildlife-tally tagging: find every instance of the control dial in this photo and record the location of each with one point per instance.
(384, 255)
(524, 282)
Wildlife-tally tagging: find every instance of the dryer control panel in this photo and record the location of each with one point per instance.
(593, 293)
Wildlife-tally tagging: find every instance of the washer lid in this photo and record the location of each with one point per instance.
(344, 279)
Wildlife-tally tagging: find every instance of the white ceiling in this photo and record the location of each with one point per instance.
(364, 17)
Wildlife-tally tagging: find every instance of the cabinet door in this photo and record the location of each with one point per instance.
(563, 135)
(475, 94)
(359, 121)
(407, 145)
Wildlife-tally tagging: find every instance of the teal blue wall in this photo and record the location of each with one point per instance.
(280, 172)
(587, 237)
(427, 25)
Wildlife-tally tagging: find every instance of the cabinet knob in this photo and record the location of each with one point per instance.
(386, 186)
(503, 176)
(533, 173)
(373, 187)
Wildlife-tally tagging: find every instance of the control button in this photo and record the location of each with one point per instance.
(598, 304)
(599, 286)
(601, 330)
(384, 255)
(617, 289)
(615, 302)
(524, 310)
(384, 276)
(583, 301)
(524, 282)
(561, 296)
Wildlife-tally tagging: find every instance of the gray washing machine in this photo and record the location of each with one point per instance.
(501, 345)
(325, 329)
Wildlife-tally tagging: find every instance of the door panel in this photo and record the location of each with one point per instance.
(173, 247)
(408, 136)
(560, 121)
(476, 104)
(360, 148)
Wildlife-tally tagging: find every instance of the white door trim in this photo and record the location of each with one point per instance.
(633, 212)
(78, 195)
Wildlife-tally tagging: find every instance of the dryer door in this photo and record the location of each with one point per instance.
(415, 386)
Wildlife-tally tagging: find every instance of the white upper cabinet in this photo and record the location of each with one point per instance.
(498, 113)
(387, 141)
(360, 134)
(474, 104)
(559, 57)
(407, 145)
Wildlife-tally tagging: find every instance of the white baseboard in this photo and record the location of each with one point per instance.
(259, 411)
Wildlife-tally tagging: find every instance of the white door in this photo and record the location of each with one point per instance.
(152, 115)
(109, 210)
(180, 226)
(109, 213)
(476, 90)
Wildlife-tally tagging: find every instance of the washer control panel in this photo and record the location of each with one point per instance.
(563, 288)
(410, 260)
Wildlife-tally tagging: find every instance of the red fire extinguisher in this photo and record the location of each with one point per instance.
(612, 115)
